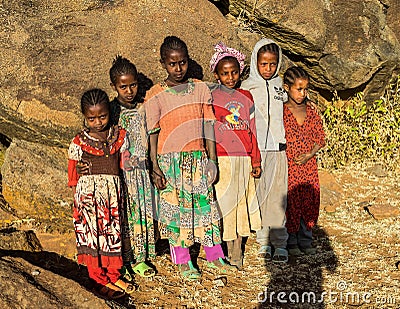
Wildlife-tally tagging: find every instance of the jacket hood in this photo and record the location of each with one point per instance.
(254, 75)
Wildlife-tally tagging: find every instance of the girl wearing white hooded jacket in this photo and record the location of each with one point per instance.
(266, 86)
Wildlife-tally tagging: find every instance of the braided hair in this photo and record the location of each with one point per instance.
(272, 48)
(122, 66)
(172, 43)
(293, 73)
(93, 97)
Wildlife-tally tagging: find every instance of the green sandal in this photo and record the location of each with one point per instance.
(143, 270)
(188, 271)
(221, 265)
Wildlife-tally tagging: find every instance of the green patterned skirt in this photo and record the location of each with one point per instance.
(139, 236)
(187, 211)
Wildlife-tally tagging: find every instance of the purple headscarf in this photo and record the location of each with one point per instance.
(222, 51)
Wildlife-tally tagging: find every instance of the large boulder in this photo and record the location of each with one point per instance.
(347, 45)
(51, 51)
(34, 182)
(393, 12)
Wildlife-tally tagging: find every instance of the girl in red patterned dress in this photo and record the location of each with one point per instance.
(97, 195)
(304, 137)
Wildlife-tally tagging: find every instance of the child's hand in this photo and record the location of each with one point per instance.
(303, 158)
(159, 179)
(83, 168)
(256, 172)
(131, 163)
(211, 171)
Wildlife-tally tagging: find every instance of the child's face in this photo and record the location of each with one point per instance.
(267, 64)
(228, 73)
(97, 117)
(176, 64)
(297, 92)
(126, 86)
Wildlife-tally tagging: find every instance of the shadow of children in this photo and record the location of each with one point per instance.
(299, 283)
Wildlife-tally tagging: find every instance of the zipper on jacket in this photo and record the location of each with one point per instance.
(269, 116)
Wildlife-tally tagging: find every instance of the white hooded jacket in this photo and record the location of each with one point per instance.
(269, 97)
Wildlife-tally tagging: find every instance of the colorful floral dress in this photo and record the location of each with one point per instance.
(303, 184)
(187, 211)
(140, 192)
(98, 198)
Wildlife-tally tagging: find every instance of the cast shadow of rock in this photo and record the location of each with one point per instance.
(64, 267)
(299, 283)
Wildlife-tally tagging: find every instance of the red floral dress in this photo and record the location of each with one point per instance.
(303, 198)
(98, 198)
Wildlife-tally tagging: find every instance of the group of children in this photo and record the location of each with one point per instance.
(185, 156)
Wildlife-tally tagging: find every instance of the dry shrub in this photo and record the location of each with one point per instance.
(358, 132)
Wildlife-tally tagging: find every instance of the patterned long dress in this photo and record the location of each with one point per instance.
(187, 211)
(303, 184)
(140, 198)
(98, 199)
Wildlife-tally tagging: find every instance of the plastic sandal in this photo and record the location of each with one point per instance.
(295, 251)
(126, 287)
(265, 252)
(280, 255)
(309, 250)
(221, 265)
(108, 292)
(143, 270)
(188, 271)
(125, 272)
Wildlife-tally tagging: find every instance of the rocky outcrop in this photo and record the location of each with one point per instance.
(34, 181)
(12, 239)
(347, 46)
(51, 51)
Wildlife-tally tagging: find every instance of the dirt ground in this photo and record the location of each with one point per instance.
(356, 263)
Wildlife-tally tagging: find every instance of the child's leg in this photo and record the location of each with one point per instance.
(215, 257)
(292, 241)
(112, 274)
(278, 237)
(304, 235)
(179, 255)
(236, 254)
(293, 245)
(271, 194)
(98, 275)
(213, 253)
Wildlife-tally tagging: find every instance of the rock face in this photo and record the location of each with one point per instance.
(34, 181)
(347, 46)
(51, 51)
(19, 240)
